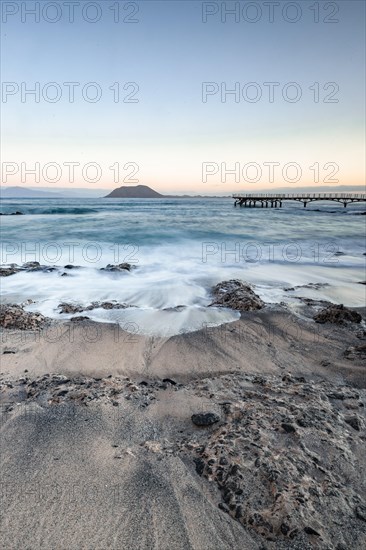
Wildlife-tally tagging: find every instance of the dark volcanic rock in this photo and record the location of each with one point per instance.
(70, 308)
(105, 305)
(310, 531)
(77, 308)
(169, 381)
(361, 512)
(11, 270)
(17, 213)
(80, 318)
(200, 465)
(288, 428)
(118, 267)
(31, 265)
(205, 419)
(235, 294)
(5, 271)
(356, 352)
(291, 491)
(354, 421)
(36, 266)
(337, 314)
(13, 316)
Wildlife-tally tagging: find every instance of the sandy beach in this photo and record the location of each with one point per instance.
(99, 449)
(182, 275)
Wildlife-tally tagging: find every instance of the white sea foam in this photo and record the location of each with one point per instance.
(180, 251)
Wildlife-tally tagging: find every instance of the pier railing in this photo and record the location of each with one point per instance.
(302, 195)
(275, 199)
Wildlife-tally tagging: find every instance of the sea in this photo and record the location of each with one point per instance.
(179, 249)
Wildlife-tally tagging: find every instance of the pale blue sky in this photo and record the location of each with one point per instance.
(170, 132)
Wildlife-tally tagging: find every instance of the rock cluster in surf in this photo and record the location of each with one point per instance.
(337, 314)
(235, 294)
(13, 316)
(77, 308)
(29, 267)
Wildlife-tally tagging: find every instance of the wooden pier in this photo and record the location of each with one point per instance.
(275, 200)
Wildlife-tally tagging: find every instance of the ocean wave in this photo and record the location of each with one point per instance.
(53, 211)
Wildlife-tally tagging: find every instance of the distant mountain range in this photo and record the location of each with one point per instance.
(26, 193)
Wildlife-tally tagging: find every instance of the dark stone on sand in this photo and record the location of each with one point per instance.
(223, 507)
(337, 314)
(238, 512)
(80, 318)
(13, 316)
(236, 295)
(356, 352)
(361, 512)
(205, 419)
(200, 465)
(310, 531)
(70, 266)
(289, 428)
(169, 381)
(354, 421)
(8, 352)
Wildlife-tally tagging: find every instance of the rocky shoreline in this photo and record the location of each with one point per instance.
(286, 454)
(64, 271)
(233, 294)
(263, 418)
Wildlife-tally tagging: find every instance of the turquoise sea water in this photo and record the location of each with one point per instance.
(180, 248)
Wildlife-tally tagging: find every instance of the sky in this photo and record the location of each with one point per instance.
(151, 102)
